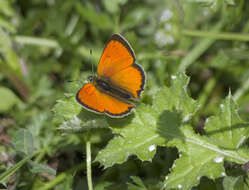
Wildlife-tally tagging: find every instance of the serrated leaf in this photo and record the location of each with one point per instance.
(187, 172)
(176, 98)
(40, 168)
(199, 156)
(227, 129)
(140, 133)
(66, 109)
(140, 136)
(23, 141)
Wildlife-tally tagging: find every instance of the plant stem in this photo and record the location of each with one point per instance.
(41, 155)
(216, 35)
(88, 164)
(199, 49)
(51, 184)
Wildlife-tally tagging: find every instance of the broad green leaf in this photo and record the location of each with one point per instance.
(23, 141)
(40, 168)
(4, 176)
(197, 159)
(199, 156)
(138, 137)
(227, 129)
(7, 99)
(140, 133)
(66, 109)
(186, 173)
(176, 98)
(205, 155)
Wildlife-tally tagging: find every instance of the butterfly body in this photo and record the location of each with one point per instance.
(105, 86)
(119, 80)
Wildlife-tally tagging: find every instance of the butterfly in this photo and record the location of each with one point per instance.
(119, 80)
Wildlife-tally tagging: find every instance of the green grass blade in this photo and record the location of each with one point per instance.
(4, 176)
(199, 49)
(36, 41)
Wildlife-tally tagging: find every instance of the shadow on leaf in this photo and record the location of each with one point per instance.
(120, 122)
(168, 125)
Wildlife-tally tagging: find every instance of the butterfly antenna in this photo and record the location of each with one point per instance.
(73, 81)
(91, 53)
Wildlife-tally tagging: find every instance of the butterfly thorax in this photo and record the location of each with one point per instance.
(105, 86)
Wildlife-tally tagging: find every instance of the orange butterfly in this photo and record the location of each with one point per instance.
(119, 80)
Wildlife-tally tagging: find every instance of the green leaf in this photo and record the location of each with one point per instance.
(227, 129)
(4, 176)
(66, 109)
(176, 98)
(7, 99)
(23, 141)
(138, 137)
(197, 158)
(40, 168)
(233, 183)
(205, 155)
(140, 133)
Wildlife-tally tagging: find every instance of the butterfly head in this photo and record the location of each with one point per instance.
(91, 78)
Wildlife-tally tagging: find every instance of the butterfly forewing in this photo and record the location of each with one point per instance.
(117, 64)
